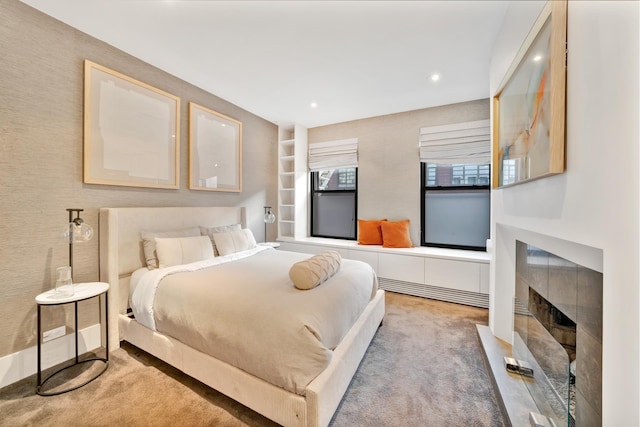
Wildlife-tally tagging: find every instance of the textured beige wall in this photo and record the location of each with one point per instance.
(41, 106)
(389, 165)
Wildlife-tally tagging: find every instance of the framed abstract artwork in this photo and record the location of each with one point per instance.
(529, 106)
(131, 131)
(215, 151)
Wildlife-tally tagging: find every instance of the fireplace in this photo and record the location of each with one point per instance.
(558, 333)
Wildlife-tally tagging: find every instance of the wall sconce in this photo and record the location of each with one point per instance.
(269, 218)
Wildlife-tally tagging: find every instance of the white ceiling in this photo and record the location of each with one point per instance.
(355, 59)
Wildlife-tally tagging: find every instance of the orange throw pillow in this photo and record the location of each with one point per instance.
(396, 234)
(369, 231)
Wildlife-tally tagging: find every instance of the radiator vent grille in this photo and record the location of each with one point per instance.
(474, 299)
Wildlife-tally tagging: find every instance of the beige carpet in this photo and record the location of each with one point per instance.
(424, 368)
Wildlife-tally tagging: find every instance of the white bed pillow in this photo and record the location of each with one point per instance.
(149, 243)
(210, 231)
(234, 241)
(182, 250)
(313, 271)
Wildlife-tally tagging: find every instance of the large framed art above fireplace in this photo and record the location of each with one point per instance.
(529, 106)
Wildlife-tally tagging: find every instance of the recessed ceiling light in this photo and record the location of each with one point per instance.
(537, 58)
(313, 105)
(435, 77)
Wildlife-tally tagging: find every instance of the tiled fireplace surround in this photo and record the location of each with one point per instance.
(577, 292)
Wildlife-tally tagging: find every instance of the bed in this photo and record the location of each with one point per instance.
(301, 404)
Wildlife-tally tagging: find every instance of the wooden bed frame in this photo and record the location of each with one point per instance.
(121, 253)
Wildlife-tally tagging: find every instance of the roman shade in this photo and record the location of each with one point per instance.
(459, 143)
(342, 153)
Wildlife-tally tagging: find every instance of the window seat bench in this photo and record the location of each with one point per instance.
(444, 274)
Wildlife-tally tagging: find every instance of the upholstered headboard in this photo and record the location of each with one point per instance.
(121, 250)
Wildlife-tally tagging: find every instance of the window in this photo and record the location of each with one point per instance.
(334, 188)
(455, 196)
(455, 205)
(334, 203)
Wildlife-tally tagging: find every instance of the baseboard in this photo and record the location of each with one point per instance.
(19, 365)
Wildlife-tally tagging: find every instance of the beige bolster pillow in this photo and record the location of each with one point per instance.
(311, 272)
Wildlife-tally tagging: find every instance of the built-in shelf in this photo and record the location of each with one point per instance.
(292, 186)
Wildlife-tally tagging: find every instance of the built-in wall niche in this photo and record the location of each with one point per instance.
(558, 332)
(292, 182)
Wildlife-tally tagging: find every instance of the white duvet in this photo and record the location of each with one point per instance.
(144, 292)
(244, 310)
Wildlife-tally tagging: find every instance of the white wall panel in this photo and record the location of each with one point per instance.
(401, 267)
(452, 274)
(484, 278)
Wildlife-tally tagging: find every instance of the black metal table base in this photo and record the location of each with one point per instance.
(55, 393)
(105, 360)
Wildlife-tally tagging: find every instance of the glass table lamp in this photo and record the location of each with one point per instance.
(269, 218)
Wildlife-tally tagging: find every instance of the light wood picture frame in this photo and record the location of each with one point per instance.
(529, 108)
(131, 131)
(215, 150)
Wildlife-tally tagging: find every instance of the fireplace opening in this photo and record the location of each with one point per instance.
(558, 324)
(550, 359)
(561, 328)
(552, 297)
